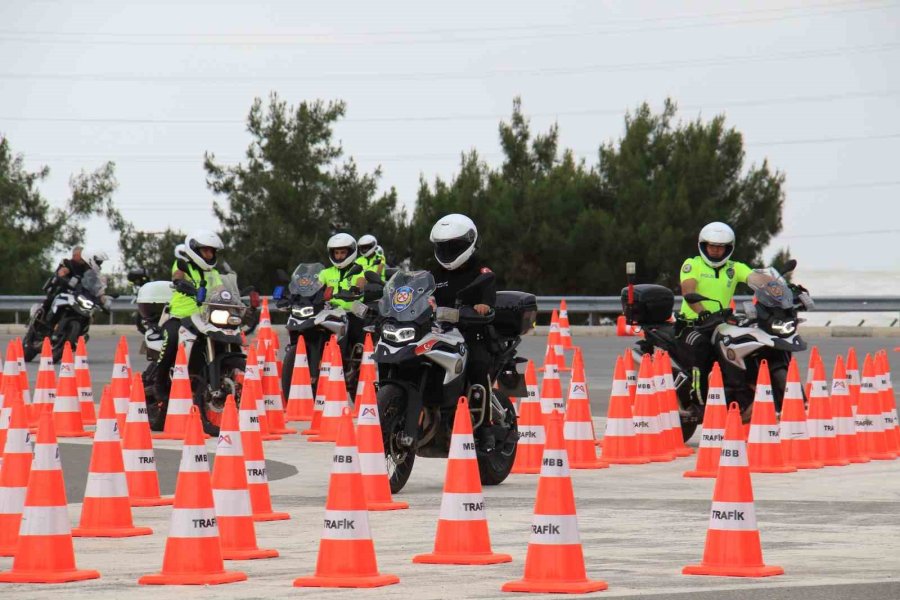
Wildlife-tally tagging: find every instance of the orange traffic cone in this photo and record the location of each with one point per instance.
(17, 456)
(44, 552)
(137, 452)
(853, 378)
(822, 438)
(888, 408)
(371, 455)
(793, 431)
(555, 560)
(300, 397)
(889, 395)
(869, 417)
(670, 404)
(9, 387)
(565, 332)
(120, 385)
(44, 387)
(844, 422)
(579, 425)
(713, 430)
(551, 388)
(335, 400)
(264, 330)
(733, 547)
(274, 398)
(24, 385)
(367, 373)
(630, 375)
(646, 417)
(764, 441)
(530, 449)
(462, 536)
(181, 399)
(255, 461)
(619, 443)
(625, 329)
(322, 386)
(346, 552)
(252, 393)
(66, 408)
(106, 511)
(232, 498)
(83, 383)
(193, 554)
(554, 346)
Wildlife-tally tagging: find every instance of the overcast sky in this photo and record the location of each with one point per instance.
(814, 86)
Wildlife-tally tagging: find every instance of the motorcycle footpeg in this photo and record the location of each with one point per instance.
(404, 440)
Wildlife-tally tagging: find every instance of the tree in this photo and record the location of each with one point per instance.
(31, 230)
(294, 191)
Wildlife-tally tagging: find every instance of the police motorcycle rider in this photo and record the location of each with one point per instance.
(67, 274)
(371, 255)
(345, 279)
(194, 268)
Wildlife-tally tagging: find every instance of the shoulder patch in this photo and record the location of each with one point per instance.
(686, 268)
(485, 270)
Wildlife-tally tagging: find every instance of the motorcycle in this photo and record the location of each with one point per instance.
(421, 358)
(212, 344)
(763, 329)
(69, 317)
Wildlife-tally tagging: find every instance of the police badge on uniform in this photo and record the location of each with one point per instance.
(686, 268)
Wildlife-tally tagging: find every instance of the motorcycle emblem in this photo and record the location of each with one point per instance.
(304, 281)
(774, 289)
(402, 298)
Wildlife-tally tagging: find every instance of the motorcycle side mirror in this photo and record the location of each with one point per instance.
(694, 298)
(357, 268)
(278, 294)
(789, 266)
(254, 299)
(373, 277)
(282, 276)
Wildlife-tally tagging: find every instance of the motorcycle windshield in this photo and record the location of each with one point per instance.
(774, 291)
(93, 283)
(223, 296)
(305, 280)
(406, 295)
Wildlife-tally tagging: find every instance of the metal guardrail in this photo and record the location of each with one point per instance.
(590, 305)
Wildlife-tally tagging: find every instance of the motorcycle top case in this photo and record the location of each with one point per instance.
(153, 297)
(514, 313)
(652, 303)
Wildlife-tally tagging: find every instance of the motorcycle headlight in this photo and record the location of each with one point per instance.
(783, 328)
(219, 317)
(399, 336)
(85, 303)
(304, 312)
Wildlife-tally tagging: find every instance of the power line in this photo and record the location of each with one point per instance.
(840, 234)
(843, 186)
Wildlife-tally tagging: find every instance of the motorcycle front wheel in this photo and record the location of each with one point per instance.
(494, 465)
(212, 404)
(392, 414)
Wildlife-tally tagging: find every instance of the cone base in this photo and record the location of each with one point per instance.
(380, 506)
(272, 516)
(74, 434)
(249, 554)
(144, 502)
(8, 551)
(596, 464)
(882, 456)
(807, 465)
(162, 435)
(435, 558)
(531, 471)
(636, 460)
(41, 577)
(346, 582)
(555, 587)
(193, 578)
(270, 437)
(101, 532)
(285, 431)
(858, 459)
(683, 451)
(310, 431)
(661, 457)
(700, 474)
(773, 469)
(733, 571)
(319, 438)
(88, 421)
(836, 462)
(296, 418)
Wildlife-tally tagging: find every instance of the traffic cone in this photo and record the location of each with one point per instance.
(300, 397)
(565, 332)
(44, 552)
(106, 511)
(630, 375)
(554, 345)
(335, 400)
(646, 417)
(123, 341)
(181, 399)
(811, 369)
(889, 395)
(822, 438)
(255, 461)
(764, 441)
(554, 562)
(530, 449)
(793, 430)
(66, 408)
(137, 452)
(322, 386)
(17, 455)
(264, 330)
(888, 408)
(44, 387)
(367, 373)
(713, 429)
(193, 554)
(346, 551)
(853, 378)
(844, 422)
(670, 404)
(274, 398)
(120, 386)
(462, 536)
(9, 387)
(83, 383)
(870, 418)
(24, 385)
(371, 455)
(252, 393)
(733, 546)
(579, 425)
(551, 388)
(619, 443)
(232, 498)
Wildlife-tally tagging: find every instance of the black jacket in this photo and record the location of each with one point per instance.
(449, 283)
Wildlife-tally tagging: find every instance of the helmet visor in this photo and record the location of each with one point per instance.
(450, 250)
(366, 248)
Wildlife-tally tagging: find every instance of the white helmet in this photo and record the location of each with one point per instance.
(94, 257)
(202, 238)
(454, 239)
(368, 245)
(720, 234)
(180, 254)
(342, 240)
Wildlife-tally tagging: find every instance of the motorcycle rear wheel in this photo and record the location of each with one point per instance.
(494, 466)
(392, 414)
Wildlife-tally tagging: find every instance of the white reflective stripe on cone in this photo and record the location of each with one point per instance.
(249, 420)
(194, 460)
(139, 460)
(711, 438)
(372, 463)
(345, 460)
(462, 446)
(19, 441)
(301, 392)
(532, 435)
(137, 413)
(866, 424)
(46, 458)
(12, 500)
(66, 404)
(578, 430)
(732, 516)
(764, 393)
(232, 503)
(733, 454)
(346, 525)
(645, 425)
(845, 425)
(256, 472)
(121, 405)
(193, 523)
(617, 427)
(229, 444)
(823, 428)
(554, 530)
(462, 507)
(368, 416)
(333, 408)
(106, 485)
(619, 388)
(764, 434)
(555, 463)
(45, 520)
(715, 397)
(793, 430)
(107, 431)
(793, 389)
(179, 406)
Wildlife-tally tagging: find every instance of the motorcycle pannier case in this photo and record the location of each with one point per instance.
(515, 313)
(652, 303)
